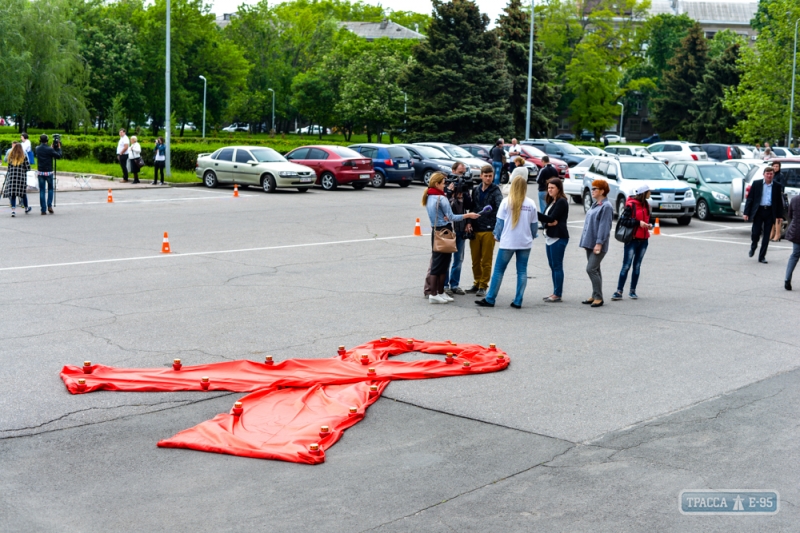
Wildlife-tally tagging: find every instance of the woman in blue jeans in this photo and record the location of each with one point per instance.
(635, 215)
(515, 230)
(555, 234)
(793, 236)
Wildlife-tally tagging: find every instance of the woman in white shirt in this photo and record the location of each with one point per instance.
(515, 230)
(133, 160)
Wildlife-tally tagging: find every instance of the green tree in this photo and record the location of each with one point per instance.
(513, 28)
(14, 57)
(723, 40)
(673, 107)
(595, 85)
(712, 121)
(458, 86)
(662, 36)
(315, 97)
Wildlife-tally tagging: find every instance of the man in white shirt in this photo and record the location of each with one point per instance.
(122, 153)
(514, 149)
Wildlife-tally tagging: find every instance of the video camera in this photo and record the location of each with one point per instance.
(56, 140)
(462, 183)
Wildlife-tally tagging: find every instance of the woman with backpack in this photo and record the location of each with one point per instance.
(635, 215)
(17, 178)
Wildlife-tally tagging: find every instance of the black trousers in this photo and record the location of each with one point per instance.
(123, 162)
(762, 226)
(158, 167)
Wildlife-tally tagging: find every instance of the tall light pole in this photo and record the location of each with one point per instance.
(273, 110)
(167, 112)
(794, 69)
(621, 120)
(530, 76)
(205, 86)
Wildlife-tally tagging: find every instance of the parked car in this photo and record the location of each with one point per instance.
(722, 152)
(782, 151)
(253, 165)
(426, 161)
(479, 151)
(744, 165)
(740, 187)
(711, 183)
(562, 150)
(747, 150)
(533, 155)
(391, 163)
(237, 126)
(614, 138)
(654, 138)
(314, 130)
(188, 126)
(573, 182)
(628, 149)
(334, 165)
(671, 151)
(456, 153)
(669, 197)
(565, 137)
(590, 150)
(587, 135)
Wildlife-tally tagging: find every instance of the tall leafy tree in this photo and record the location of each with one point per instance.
(595, 85)
(513, 28)
(673, 107)
(662, 36)
(712, 122)
(458, 86)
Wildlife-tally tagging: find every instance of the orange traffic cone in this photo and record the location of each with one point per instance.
(235, 190)
(657, 229)
(165, 246)
(110, 197)
(418, 229)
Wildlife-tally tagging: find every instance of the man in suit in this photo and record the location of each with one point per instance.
(764, 207)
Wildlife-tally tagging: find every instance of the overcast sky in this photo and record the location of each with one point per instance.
(490, 7)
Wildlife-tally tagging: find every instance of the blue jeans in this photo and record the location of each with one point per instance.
(792, 261)
(454, 276)
(542, 204)
(49, 181)
(555, 258)
(633, 255)
(23, 202)
(498, 169)
(500, 264)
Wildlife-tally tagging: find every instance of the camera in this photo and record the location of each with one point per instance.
(461, 183)
(56, 140)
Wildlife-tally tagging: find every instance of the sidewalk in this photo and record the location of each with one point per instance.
(68, 182)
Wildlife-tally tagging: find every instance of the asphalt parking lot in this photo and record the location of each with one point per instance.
(602, 418)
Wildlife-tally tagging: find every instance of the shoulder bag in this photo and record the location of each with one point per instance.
(624, 234)
(444, 240)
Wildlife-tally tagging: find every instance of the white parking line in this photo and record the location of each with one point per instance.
(696, 232)
(216, 252)
(771, 246)
(61, 204)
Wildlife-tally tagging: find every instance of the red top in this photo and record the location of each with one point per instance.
(639, 212)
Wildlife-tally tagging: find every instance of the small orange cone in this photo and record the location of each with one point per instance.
(110, 197)
(165, 246)
(657, 228)
(235, 190)
(418, 229)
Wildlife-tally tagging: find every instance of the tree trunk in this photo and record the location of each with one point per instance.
(369, 135)
(182, 126)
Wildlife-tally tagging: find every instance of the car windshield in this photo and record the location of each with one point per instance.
(568, 148)
(267, 155)
(695, 148)
(344, 152)
(646, 171)
(720, 173)
(530, 151)
(457, 151)
(585, 163)
(398, 152)
(431, 153)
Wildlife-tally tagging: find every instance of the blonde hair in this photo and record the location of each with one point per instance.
(517, 195)
(432, 182)
(17, 155)
(519, 161)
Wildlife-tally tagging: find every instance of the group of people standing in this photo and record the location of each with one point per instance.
(483, 217)
(129, 156)
(19, 160)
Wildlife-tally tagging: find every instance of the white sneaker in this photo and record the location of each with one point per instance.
(446, 296)
(436, 299)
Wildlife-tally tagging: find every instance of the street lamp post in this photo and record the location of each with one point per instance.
(167, 112)
(794, 69)
(273, 110)
(205, 85)
(530, 76)
(621, 120)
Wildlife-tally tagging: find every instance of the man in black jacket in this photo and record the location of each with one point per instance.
(45, 155)
(764, 207)
(482, 246)
(547, 172)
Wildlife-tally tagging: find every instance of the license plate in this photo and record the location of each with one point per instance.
(402, 165)
(669, 206)
(363, 176)
(303, 180)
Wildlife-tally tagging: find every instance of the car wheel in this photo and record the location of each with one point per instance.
(359, 186)
(404, 183)
(620, 206)
(379, 180)
(684, 221)
(268, 183)
(302, 189)
(426, 178)
(577, 199)
(587, 201)
(328, 181)
(210, 179)
(703, 212)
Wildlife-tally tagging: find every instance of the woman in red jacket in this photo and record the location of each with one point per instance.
(635, 215)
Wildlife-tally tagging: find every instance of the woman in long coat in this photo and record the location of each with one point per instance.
(16, 183)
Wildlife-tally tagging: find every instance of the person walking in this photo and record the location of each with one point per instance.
(778, 178)
(441, 217)
(133, 159)
(764, 207)
(16, 183)
(556, 236)
(26, 147)
(45, 154)
(497, 153)
(547, 173)
(159, 160)
(459, 201)
(515, 230)
(793, 236)
(594, 239)
(482, 246)
(122, 153)
(635, 215)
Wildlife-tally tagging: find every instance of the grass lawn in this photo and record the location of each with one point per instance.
(90, 166)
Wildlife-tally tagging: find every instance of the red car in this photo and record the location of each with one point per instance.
(534, 155)
(334, 165)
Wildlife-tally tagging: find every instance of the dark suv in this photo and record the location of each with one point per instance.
(564, 151)
(391, 163)
(722, 152)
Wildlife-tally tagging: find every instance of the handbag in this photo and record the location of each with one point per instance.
(139, 162)
(32, 180)
(444, 240)
(624, 234)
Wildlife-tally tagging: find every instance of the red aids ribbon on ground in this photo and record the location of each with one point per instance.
(291, 400)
